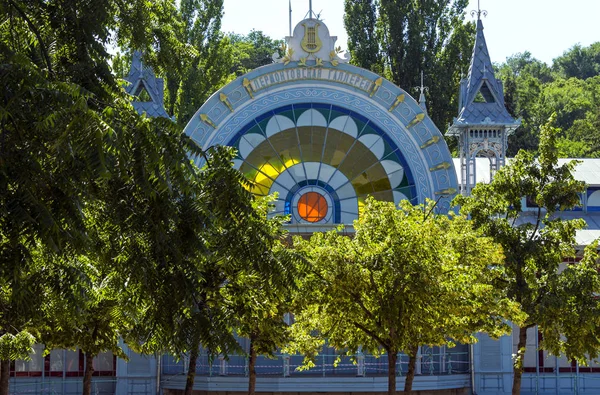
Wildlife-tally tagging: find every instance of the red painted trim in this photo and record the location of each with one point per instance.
(589, 369)
(28, 374)
(542, 370)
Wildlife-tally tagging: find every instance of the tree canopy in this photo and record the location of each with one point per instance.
(569, 87)
(399, 39)
(535, 246)
(406, 278)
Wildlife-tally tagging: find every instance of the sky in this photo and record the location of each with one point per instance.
(546, 28)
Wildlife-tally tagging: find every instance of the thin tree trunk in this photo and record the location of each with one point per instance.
(191, 374)
(4, 376)
(518, 364)
(252, 369)
(410, 375)
(392, 358)
(87, 376)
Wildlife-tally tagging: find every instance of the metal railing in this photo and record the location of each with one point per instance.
(326, 365)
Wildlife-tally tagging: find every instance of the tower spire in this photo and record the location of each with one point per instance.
(483, 123)
(148, 91)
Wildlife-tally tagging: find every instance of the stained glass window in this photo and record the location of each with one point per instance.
(329, 156)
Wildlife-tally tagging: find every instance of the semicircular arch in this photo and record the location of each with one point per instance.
(322, 99)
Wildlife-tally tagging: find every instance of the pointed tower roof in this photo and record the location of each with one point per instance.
(481, 100)
(147, 88)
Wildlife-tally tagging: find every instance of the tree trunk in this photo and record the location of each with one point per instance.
(87, 376)
(191, 374)
(410, 375)
(252, 369)
(392, 358)
(4, 376)
(518, 363)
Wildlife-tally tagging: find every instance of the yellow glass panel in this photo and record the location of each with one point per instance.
(376, 178)
(358, 160)
(257, 176)
(336, 147)
(311, 142)
(286, 145)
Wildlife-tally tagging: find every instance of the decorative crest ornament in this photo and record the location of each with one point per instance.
(311, 42)
(479, 11)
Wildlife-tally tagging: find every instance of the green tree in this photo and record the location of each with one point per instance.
(207, 62)
(368, 292)
(83, 310)
(535, 246)
(220, 243)
(360, 21)
(260, 299)
(253, 51)
(67, 133)
(524, 77)
(410, 37)
(579, 62)
(576, 103)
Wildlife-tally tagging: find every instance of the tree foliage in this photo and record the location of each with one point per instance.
(534, 91)
(399, 39)
(260, 296)
(252, 51)
(535, 246)
(407, 278)
(206, 64)
(94, 195)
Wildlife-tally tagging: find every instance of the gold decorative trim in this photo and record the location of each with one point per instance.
(225, 100)
(207, 120)
(399, 99)
(431, 141)
(376, 85)
(418, 118)
(443, 165)
(447, 191)
(248, 85)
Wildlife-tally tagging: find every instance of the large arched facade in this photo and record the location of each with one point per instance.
(324, 135)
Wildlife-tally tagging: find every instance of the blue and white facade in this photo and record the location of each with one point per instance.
(324, 135)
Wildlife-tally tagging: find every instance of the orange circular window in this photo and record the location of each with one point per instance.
(312, 207)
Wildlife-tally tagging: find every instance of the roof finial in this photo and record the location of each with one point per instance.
(290, 18)
(479, 11)
(422, 88)
(310, 13)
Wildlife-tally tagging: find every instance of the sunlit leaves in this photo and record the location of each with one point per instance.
(406, 278)
(535, 242)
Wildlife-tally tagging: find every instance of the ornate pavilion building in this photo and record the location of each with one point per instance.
(324, 135)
